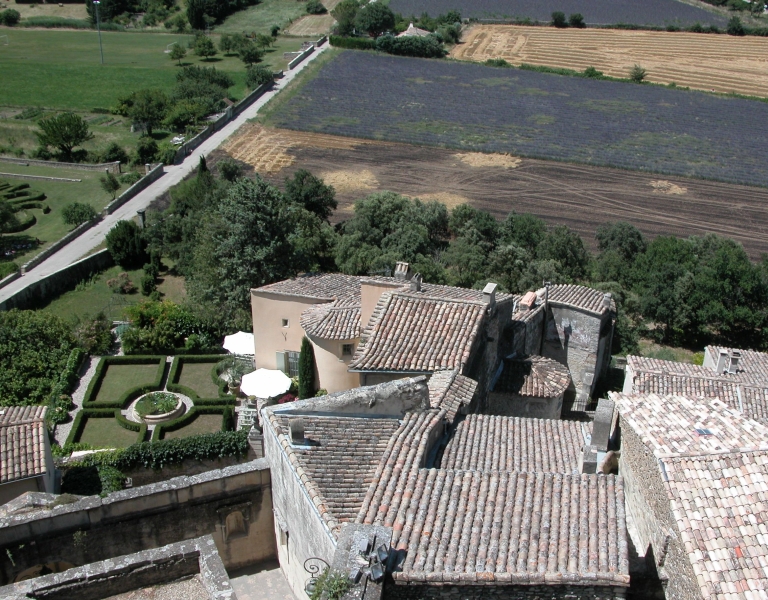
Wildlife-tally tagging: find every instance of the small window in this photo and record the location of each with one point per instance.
(285, 322)
(346, 349)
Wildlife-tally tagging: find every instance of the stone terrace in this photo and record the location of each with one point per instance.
(491, 443)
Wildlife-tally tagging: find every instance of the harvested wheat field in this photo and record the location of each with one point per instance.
(580, 196)
(311, 25)
(722, 63)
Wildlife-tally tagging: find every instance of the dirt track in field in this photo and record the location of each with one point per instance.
(722, 63)
(580, 196)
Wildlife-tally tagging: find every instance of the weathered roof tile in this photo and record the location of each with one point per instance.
(22, 442)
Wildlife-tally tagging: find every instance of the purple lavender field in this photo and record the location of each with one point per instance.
(473, 107)
(595, 12)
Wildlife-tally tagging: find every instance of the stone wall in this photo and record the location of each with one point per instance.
(61, 281)
(155, 173)
(234, 505)
(112, 167)
(130, 572)
(505, 592)
(649, 510)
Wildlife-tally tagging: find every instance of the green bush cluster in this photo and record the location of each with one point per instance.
(9, 17)
(428, 46)
(352, 43)
(156, 403)
(59, 401)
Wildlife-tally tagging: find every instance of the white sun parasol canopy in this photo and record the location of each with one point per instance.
(265, 383)
(239, 343)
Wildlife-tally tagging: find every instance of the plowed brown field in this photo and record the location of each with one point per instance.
(581, 197)
(722, 63)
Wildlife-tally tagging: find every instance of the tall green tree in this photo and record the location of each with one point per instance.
(345, 13)
(196, 13)
(64, 131)
(311, 192)
(148, 108)
(524, 230)
(567, 248)
(307, 388)
(375, 18)
(126, 245)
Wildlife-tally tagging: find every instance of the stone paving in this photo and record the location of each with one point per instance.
(261, 582)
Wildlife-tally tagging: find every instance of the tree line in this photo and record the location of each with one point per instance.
(229, 233)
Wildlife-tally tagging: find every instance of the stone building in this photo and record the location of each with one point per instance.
(696, 479)
(571, 324)
(531, 386)
(26, 464)
(477, 506)
(742, 385)
(368, 330)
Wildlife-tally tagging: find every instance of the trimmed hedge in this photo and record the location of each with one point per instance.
(109, 413)
(188, 418)
(352, 43)
(131, 394)
(158, 454)
(65, 384)
(175, 373)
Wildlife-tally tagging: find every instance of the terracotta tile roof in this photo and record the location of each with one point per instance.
(319, 286)
(578, 296)
(717, 484)
(22, 442)
(744, 375)
(492, 443)
(533, 376)
(471, 527)
(331, 321)
(526, 315)
(752, 364)
(450, 391)
(417, 333)
(721, 509)
(337, 468)
(448, 292)
(754, 403)
(668, 425)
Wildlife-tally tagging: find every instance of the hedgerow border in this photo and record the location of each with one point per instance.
(175, 373)
(130, 394)
(186, 419)
(104, 413)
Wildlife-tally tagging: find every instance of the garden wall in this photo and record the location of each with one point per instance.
(296, 61)
(57, 245)
(112, 167)
(56, 283)
(233, 111)
(153, 175)
(233, 505)
(12, 277)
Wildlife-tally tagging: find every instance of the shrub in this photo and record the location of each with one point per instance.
(152, 268)
(637, 74)
(110, 184)
(7, 268)
(593, 73)
(59, 401)
(125, 244)
(157, 403)
(250, 53)
(497, 62)
(130, 178)
(148, 284)
(76, 213)
(315, 7)
(95, 334)
(256, 75)
(228, 419)
(10, 17)
(576, 20)
(59, 412)
(306, 370)
(425, 47)
(121, 284)
(229, 169)
(146, 150)
(735, 27)
(204, 47)
(558, 19)
(166, 153)
(113, 153)
(352, 43)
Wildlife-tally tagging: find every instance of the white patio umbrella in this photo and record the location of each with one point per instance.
(239, 343)
(265, 383)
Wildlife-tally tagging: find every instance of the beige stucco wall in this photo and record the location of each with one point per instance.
(268, 311)
(370, 292)
(331, 367)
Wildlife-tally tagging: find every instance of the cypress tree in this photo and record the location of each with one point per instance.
(306, 370)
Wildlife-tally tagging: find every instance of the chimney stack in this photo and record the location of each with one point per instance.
(722, 360)
(528, 301)
(403, 271)
(415, 283)
(734, 362)
(489, 294)
(296, 427)
(607, 300)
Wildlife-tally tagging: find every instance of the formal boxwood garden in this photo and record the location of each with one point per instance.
(107, 391)
(198, 378)
(92, 425)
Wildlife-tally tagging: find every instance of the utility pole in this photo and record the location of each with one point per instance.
(98, 26)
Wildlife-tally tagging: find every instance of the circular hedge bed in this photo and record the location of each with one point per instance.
(156, 403)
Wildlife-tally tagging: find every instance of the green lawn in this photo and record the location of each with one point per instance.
(261, 17)
(92, 297)
(107, 433)
(120, 378)
(202, 424)
(50, 227)
(197, 376)
(62, 70)
(653, 350)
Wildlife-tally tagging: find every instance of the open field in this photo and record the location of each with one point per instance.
(197, 376)
(50, 227)
(262, 16)
(312, 25)
(64, 11)
(201, 424)
(476, 108)
(106, 432)
(707, 62)
(582, 197)
(60, 69)
(605, 12)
